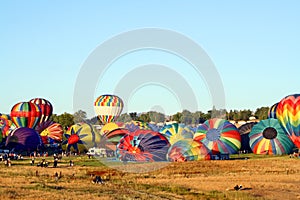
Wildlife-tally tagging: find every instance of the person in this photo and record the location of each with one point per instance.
(97, 180)
(71, 163)
(55, 162)
(32, 161)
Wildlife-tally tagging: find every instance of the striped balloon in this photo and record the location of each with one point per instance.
(272, 111)
(108, 108)
(25, 114)
(46, 108)
(136, 125)
(5, 125)
(175, 132)
(188, 150)
(267, 137)
(288, 114)
(219, 136)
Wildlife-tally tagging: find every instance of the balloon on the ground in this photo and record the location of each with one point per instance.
(5, 125)
(288, 114)
(219, 136)
(272, 111)
(188, 150)
(175, 132)
(80, 137)
(136, 125)
(267, 137)
(25, 114)
(52, 133)
(109, 127)
(45, 106)
(244, 131)
(108, 108)
(23, 139)
(143, 146)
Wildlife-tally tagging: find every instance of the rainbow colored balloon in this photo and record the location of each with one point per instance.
(288, 114)
(108, 108)
(219, 136)
(5, 125)
(143, 146)
(267, 137)
(136, 125)
(46, 108)
(272, 111)
(188, 150)
(80, 137)
(25, 114)
(175, 132)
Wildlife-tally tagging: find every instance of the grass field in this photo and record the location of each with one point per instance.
(262, 177)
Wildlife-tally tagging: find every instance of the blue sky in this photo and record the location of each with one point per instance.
(254, 45)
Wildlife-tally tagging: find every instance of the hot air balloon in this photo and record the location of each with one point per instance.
(46, 108)
(175, 132)
(136, 125)
(5, 125)
(108, 108)
(110, 127)
(52, 134)
(272, 111)
(23, 139)
(143, 146)
(244, 131)
(112, 138)
(267, 137)
(288, 114)
(188, 150)
(80, 137)
(219, 136)
(25, 114)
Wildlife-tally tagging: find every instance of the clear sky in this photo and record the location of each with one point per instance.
(254, 45)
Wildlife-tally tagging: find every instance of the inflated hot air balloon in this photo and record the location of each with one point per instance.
(110, 127)
(188, 150)
(136, 125)
(175, 132)
(80, 137)
(5, 125)
(25, 114)
(272, 111)
(219, 136)
(23, 139)
(108, 108)
(288, 114)
(52, 134)
(244, 131)
(143, 146)
(46, 108)
(267, 137)
(112, 138)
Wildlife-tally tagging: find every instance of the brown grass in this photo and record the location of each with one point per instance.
(262, 178)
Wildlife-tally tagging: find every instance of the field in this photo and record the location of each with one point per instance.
(262, 177)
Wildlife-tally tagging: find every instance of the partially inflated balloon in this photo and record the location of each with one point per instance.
(136, 125)
(244, 131)
(288, 114)
(219, 136)
(53, 132)
(175, 132)
(108, 108)
(23, 139)
(80, 137)
(25, 114)
(45, 106)
(143, 146)
(267, 137)
(188, 150)
(5, 124)
(272, 111)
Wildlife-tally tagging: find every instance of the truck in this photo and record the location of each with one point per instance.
(95, 151)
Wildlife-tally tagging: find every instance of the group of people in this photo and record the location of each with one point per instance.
(6, 159)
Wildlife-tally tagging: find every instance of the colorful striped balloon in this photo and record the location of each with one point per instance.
(46, 108)
(188, 150)
(25, 114)
(219, 136)
(136, 125)
(143, 146)
(108, 108)
(5, 125)
(272, 111)
(288, 114)
(175, 132)
(267, 137)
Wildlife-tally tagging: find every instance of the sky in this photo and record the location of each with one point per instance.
(254, 46)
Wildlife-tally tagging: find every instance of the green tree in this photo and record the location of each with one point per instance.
(261, 113)
(187, 117)
(124, 118)
(133, 116)
(177, 117)
(65, 119)
(156, 117)
(144, 117)
(80, 116)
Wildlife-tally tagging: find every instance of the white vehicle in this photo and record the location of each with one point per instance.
(96, 152)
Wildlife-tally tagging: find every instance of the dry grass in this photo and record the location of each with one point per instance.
(262, 177)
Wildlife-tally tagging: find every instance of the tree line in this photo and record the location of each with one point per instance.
(186, 117)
